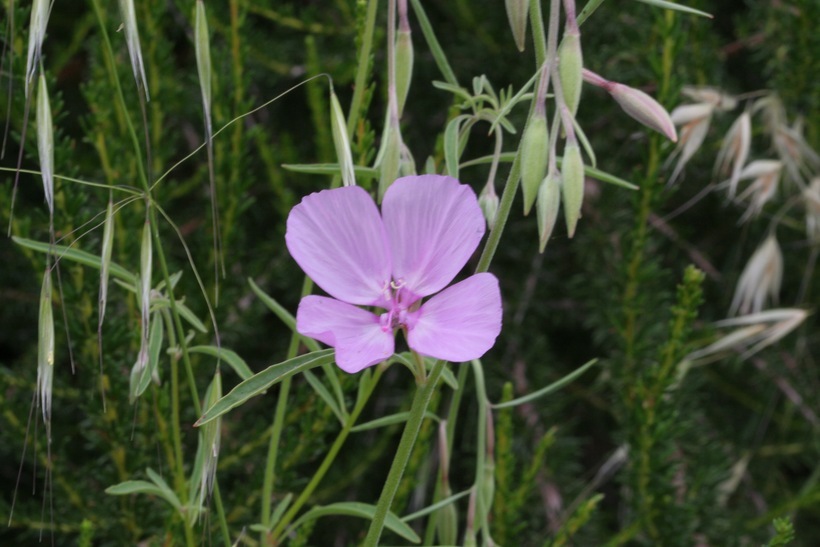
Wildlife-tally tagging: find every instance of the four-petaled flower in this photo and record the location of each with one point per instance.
(428, 229)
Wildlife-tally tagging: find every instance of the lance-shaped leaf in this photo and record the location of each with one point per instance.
(262, 381)
(362, 510)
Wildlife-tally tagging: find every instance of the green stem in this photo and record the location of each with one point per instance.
(329, 458)
(180, 478)
(276, 429)
(421, 399)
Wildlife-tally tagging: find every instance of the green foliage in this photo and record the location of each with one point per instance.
(626, 451)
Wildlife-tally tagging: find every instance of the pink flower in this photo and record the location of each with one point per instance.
(429, 227)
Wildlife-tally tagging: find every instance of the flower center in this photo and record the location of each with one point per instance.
(396, 315)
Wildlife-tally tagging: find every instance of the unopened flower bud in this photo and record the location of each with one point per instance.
(390, 161)
(546, 207)
(404, 66)
(534, 145)
(644, 109)
(517, 11)
(572, 186)
(488, 200)
(570, 67)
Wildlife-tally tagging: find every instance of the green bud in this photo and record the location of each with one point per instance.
(546, 207)
(534, 145)
(517, 11)
(572, 186)
(488, 200)
(390, 161)
(404, 66)
(570, 67)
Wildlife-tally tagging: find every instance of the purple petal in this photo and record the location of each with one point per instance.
(460, 323)
(338, 239)
(434, 224)
(356, 334)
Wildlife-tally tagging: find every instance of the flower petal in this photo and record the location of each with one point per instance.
(434, 224)
(356, 334)
(460, 323)
(338, 239)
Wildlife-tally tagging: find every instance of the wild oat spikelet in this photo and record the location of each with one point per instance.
(45, 142)
(132, 41)
(761, 279)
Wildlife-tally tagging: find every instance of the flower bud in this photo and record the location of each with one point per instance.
(390, 161)
(517, 11)
(546, 207)
(570, 67)
(644, 109)
(534, 145)
(488, 200)
(404, 66)
(572, 187)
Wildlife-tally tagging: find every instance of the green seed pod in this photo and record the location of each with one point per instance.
(404, 66)
(45, 142)
(546, 207)
(534, 145)
(517, 11)
(572, 186)
(341, 141)
(570, 68)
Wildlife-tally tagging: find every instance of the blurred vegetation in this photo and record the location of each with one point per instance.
(617, 457)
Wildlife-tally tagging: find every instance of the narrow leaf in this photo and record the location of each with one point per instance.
(362, 510)
(262, 381)
(81, 257)
(229, 356)
(555, 386)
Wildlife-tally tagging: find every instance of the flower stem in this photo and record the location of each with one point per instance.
(276, 429)
(421, 399)
(329, 458)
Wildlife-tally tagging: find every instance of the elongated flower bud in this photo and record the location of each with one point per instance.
(572, 187)
(644, 109)
(391, 158)
(404, 66)
(341, 141)
(517, 11)
(570, 67)
(546, 207)
(45, 142)
(534, 146)
(45, 348)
